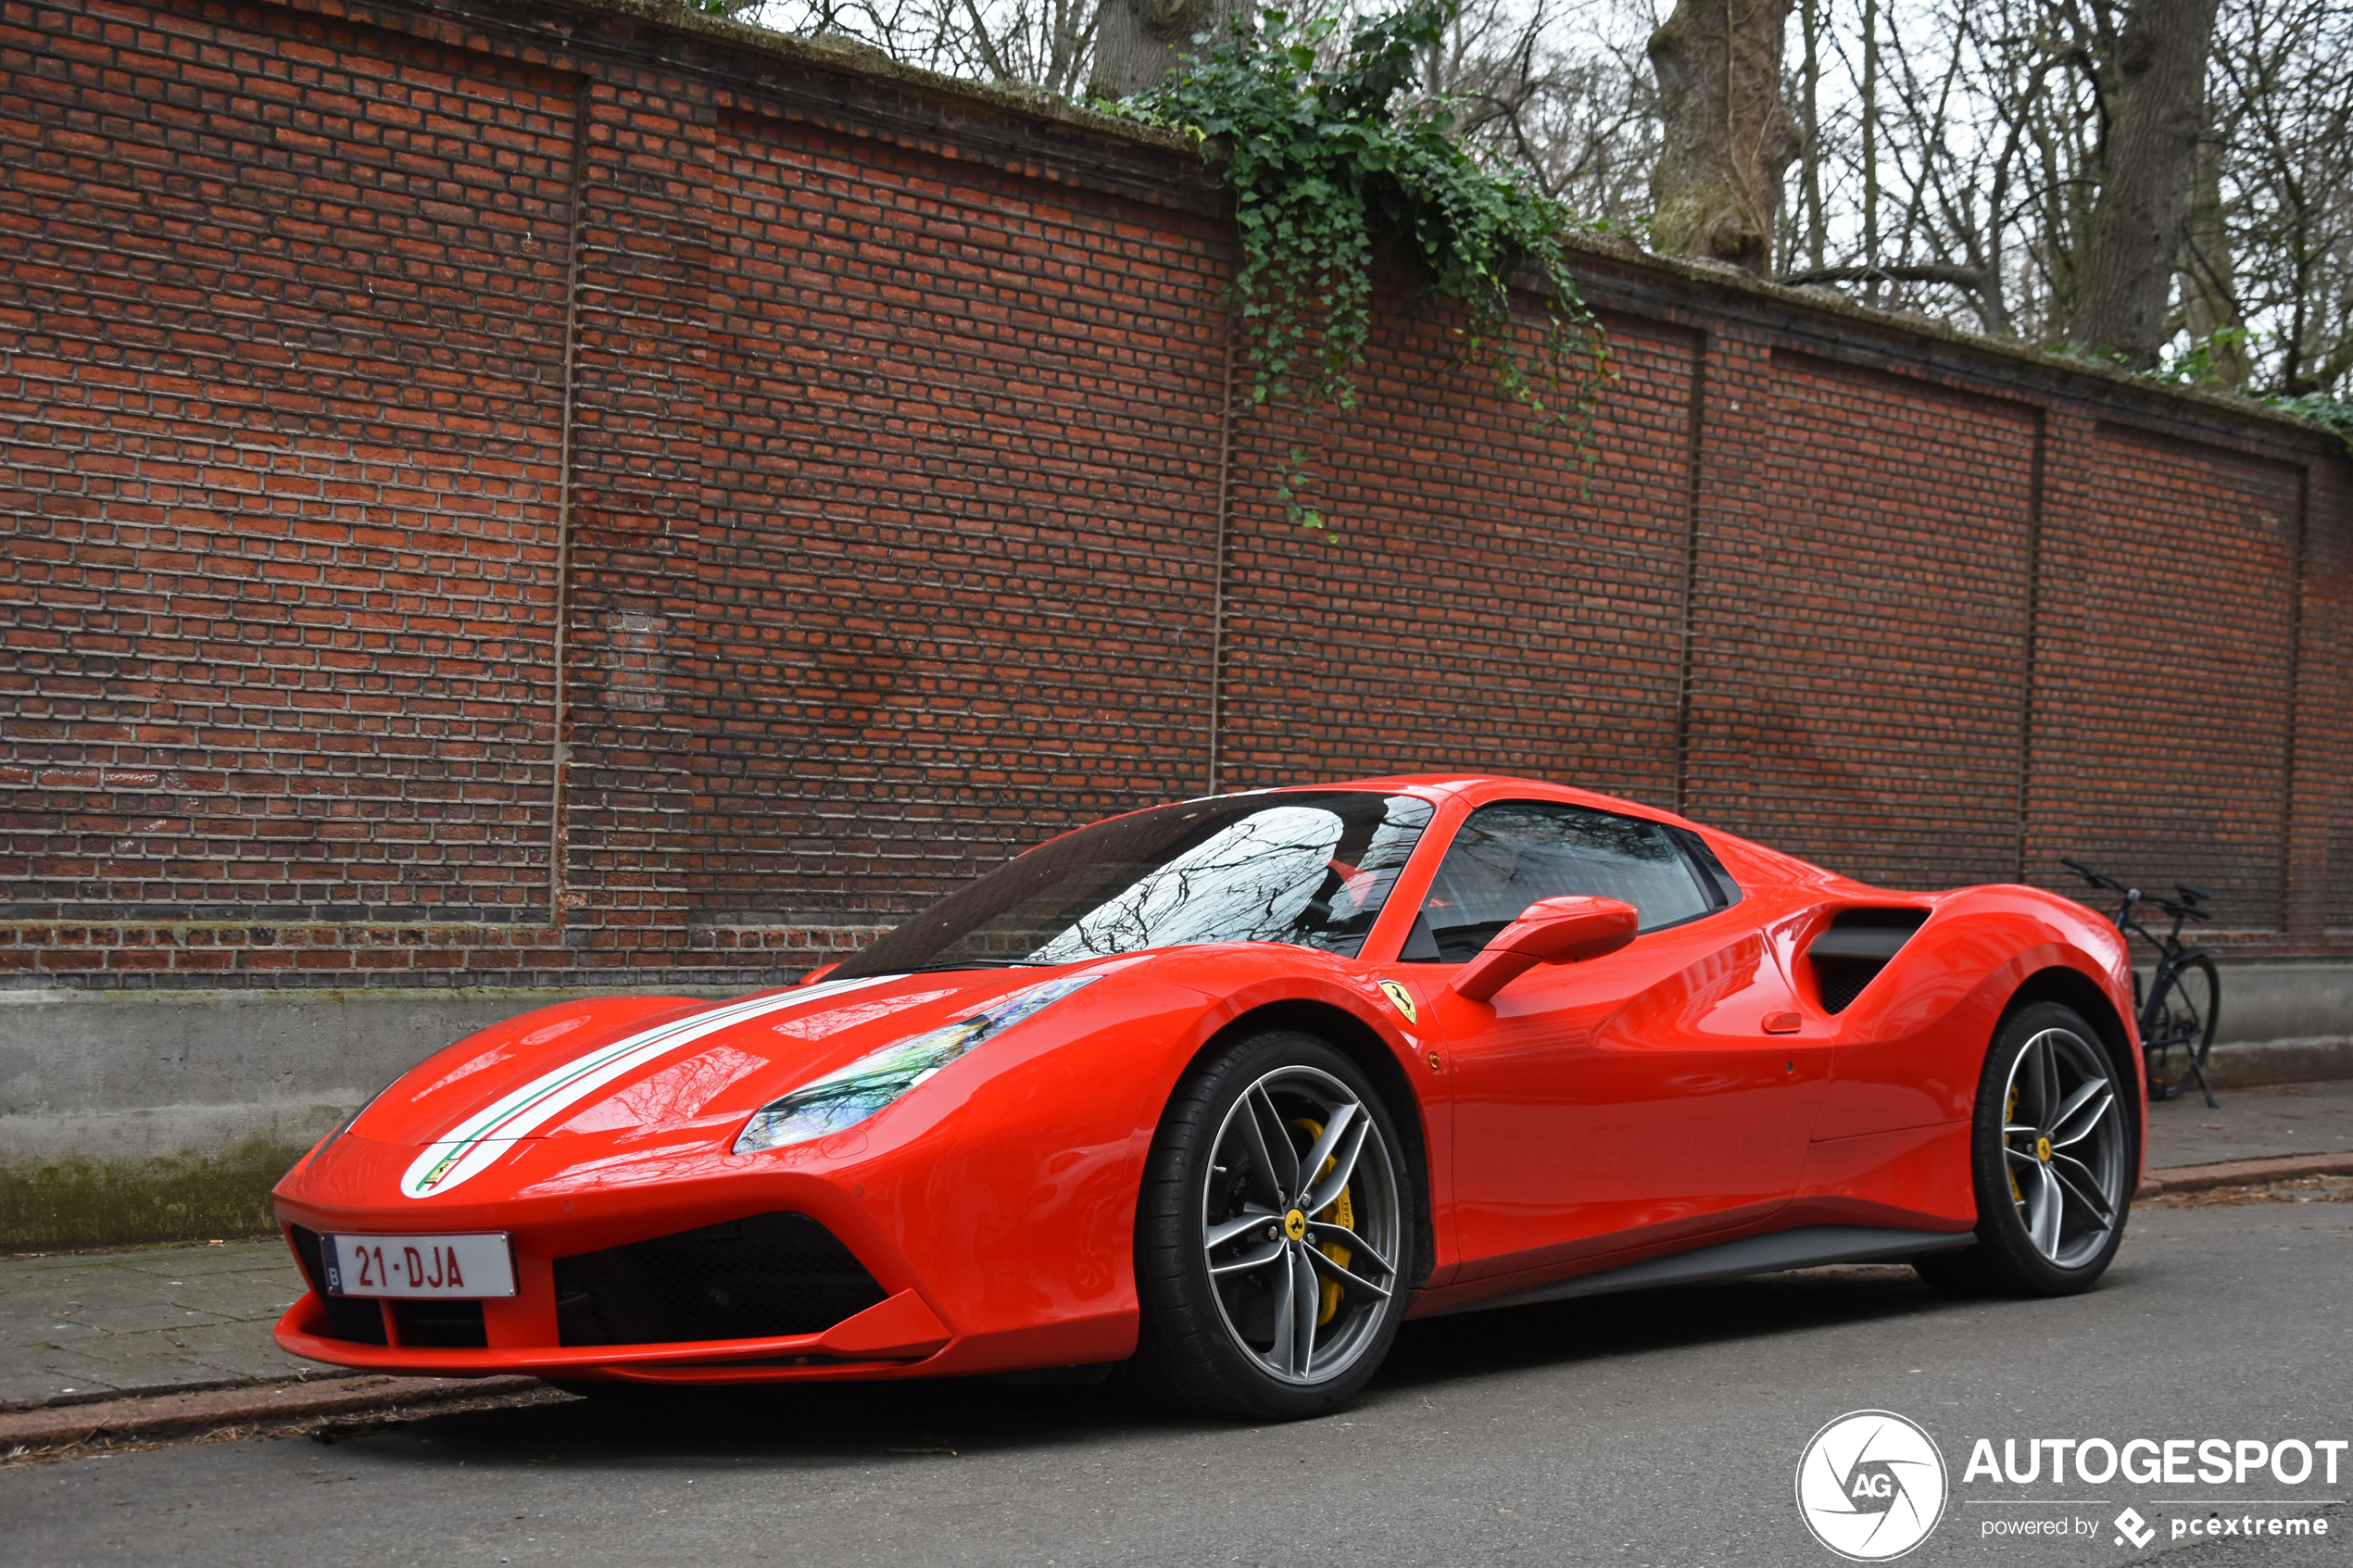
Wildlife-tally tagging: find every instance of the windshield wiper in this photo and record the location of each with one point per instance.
(980, 963)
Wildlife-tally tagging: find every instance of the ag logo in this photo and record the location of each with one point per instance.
(1870, 1486)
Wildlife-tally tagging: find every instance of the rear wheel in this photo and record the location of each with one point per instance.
(2177, 1031)
(1272, 1241)
(2052, 1158)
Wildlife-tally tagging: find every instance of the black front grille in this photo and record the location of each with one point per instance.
(356, 1318)
(769, 1276)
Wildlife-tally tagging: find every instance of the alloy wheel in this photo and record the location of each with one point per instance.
(1301, 1224)
(2065, 1145)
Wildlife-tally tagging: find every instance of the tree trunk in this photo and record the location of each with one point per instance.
(2156, 98)
(1138, 42)
(1717, 189)
(1870, 147)
(1810, 135)
(2210, 287)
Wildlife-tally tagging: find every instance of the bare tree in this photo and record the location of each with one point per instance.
(1138, 42)
(1727, 134)
(1045, 44)
(2152, 106)
(1560, 91)
(2282, 81)
(2211, 310)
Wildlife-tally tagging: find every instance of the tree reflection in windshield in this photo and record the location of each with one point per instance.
(1308, 868)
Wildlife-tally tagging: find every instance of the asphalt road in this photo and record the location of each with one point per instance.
(1654, 1429)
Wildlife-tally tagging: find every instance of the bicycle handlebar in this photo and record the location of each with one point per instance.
(2098, 879)
(2184, 908)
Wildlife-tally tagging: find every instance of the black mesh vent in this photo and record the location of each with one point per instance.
(1849, 954)
(356, 1318)
(440, 1324)
(1841, 980)
(768, 1276)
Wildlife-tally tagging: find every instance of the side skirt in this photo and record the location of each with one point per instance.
(1809, 1247)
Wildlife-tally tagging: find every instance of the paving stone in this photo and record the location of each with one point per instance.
(237, 1351)
(37, 1329)
(238, 1298)
(198, 1262)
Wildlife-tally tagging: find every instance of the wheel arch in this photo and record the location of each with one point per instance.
(1356, 1040)
(2072, 988)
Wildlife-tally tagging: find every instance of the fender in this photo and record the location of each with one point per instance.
(1910, 1051)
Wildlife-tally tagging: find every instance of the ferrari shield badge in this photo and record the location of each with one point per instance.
(1402, 998)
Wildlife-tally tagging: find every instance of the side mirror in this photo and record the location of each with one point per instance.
(1569, 929)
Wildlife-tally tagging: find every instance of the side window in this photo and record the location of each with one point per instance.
(1508, 855)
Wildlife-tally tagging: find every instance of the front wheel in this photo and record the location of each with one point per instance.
(2177, 1028)
(1272, 1242)
(2053, 1158)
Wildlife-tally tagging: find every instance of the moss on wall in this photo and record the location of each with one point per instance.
(191, 1198)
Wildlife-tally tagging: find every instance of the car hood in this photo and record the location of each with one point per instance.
(609, 1077)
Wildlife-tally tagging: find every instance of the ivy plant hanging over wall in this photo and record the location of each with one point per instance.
(1327, 164)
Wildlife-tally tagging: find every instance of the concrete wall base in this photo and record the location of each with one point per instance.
(2285, 1001)
(2252, 1064)
(131, 1116)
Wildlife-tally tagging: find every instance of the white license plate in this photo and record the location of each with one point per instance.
(410, 1267)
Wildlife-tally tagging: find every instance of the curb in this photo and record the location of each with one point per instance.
(178, 1415)
(2245, 1173)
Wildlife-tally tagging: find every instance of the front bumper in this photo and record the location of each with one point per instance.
(954, 1290)
(894, 1337)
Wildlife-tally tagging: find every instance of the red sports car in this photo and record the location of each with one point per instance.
(1225, 1090)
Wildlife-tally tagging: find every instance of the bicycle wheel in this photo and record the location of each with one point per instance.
(2177, 1028)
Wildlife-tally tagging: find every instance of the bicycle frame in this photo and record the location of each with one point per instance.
(2172, 955)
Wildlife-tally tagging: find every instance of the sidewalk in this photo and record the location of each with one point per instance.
(82, 1327)
(2252, 1124)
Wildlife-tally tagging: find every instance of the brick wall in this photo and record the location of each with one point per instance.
(556, 492)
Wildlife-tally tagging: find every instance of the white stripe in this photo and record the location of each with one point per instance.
(473, 1144)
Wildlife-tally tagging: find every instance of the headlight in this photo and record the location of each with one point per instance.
(848, 1096)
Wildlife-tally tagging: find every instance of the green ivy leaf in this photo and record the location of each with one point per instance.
(1322, 166)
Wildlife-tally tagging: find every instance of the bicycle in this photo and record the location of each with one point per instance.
(2185, 993)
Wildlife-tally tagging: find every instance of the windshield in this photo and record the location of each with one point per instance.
(1308, 868)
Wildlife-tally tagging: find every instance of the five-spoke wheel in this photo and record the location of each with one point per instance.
(1273, 1233)
(2063, 1143)
(2054, 1159)
(1300, 1224)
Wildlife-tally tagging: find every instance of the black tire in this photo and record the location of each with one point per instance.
(2054, 1155)
(1244, 1341)
(2177, 1032)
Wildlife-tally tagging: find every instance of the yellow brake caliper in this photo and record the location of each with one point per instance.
(1340, 1212)
(2009, 1119)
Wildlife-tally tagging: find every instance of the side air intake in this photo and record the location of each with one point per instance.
(1850, 954)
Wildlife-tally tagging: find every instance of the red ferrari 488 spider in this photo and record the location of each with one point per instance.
(1225, 1090)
